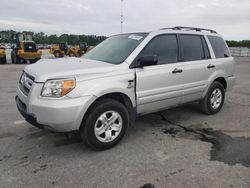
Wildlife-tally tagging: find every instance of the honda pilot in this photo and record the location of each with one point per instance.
(127, 75)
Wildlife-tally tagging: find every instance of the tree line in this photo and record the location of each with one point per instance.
(243, 43)
(42, 38)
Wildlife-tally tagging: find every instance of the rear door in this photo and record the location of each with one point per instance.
(222, 61)
(196, 66)
(159, 86)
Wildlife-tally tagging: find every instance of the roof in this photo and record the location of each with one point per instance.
(176, 30)
(184, 28)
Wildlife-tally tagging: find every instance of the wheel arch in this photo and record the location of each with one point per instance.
(117, 96)
(218, 76)
(222, 80)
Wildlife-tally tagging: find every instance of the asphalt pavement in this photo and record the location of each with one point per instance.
(179, 147)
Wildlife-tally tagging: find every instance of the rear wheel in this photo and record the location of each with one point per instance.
(57, 54)
(71, 54)
(105, 124)
(214, 99)
(79, 54)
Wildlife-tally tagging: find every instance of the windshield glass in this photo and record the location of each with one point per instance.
(116, 49)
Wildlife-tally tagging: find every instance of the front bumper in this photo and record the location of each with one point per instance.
(57, 115)
(29, 117)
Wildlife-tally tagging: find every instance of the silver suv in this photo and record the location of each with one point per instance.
(127, 75)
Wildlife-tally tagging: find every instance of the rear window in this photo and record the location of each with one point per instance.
(219, 46)
(192, 47)
(29, 47)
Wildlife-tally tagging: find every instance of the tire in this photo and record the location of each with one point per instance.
(34, 60)
(79, 54)
(94, 122)
(3, 60)
(57, 54)
(17, 60)
(214, 99)
(71, 54)
(12, 58)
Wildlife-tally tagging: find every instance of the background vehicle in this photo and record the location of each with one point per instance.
(2, 56)
(25, 49)
(62, 49)
(125, 76)
(59, 50)
(78, 50)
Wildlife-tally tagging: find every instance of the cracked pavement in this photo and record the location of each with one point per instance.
(179, 147)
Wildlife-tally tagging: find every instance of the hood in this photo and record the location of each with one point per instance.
(67, 67)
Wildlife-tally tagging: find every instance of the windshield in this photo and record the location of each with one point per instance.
(116, 49)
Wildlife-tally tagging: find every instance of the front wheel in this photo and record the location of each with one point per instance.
(214, 99)
(105, 125)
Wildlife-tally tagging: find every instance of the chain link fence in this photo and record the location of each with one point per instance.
(240, 51)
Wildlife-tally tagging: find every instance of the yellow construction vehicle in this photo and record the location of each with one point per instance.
(2, 56)
(59, 50)
(25, 50)
(78, 50)
(62, 49)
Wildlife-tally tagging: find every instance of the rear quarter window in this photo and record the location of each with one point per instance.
(219, 47)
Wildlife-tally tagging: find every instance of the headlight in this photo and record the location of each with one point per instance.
(58, 88)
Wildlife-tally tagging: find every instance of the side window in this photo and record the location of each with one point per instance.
(165, 47)
(192, 47)
(219, 47)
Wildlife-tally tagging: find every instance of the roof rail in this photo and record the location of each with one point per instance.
(189, 29)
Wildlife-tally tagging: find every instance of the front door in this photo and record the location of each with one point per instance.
(159, 86)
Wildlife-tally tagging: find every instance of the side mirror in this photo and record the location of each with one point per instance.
(147, 60)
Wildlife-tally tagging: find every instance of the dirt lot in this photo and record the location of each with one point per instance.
(178, 148)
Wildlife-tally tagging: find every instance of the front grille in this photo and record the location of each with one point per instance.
(25, 83)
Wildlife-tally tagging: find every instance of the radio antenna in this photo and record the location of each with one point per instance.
(122, 16)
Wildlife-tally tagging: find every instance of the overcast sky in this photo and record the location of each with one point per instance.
(230, 18)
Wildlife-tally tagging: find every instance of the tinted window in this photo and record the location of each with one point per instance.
(29, 47)
(192, 47)
(219, 47)
(165, 47)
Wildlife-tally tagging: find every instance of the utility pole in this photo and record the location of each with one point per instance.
(122, 16)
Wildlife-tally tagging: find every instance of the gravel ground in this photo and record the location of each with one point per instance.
(180, 147)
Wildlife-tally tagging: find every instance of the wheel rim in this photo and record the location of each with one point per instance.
(108, 126)
(216, 98)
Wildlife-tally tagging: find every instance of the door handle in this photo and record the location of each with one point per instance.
(211, 66)
(175, 71)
